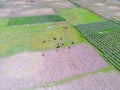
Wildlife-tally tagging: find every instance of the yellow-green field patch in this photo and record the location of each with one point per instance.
(79, 16)
(16, 39)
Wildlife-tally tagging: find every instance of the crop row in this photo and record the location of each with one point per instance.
(109, 44)
(106, 37)
(98, 27)
(34, 19)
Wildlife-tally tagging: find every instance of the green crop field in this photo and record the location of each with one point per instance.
(109, 44)
(79, 16)
(34, 19)
(30, 20)
(16, 39)
(97, 27)
(3, 21)
(105, 36)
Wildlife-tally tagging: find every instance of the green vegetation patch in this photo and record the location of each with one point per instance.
(98, 27)
(106, 37)
(109, 44)
(17, 39)
(76, 16)
(34, 19)
(3, 21)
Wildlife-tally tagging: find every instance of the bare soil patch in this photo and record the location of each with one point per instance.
(99, 4)
(17, 2)
(98, 81)
(114, 8)
(42, 11)
(29, 69)
(23, 8)
(65, 4)
(4, 12)
(17, 12)
(117, 14)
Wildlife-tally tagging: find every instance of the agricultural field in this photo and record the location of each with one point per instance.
(98, 27)
(33, 37)
(105, 8)
(22, 8)
(57, 45)
(92, 81)
(105, 36)
(49, 68)
(61, 4)
(34, 19)
(81, 16)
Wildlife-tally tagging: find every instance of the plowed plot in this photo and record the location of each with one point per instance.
(99, 81)
(106, 38)
(4, 12)
(62, 4)
(44, 11)
(30, 69)
(21, 8)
